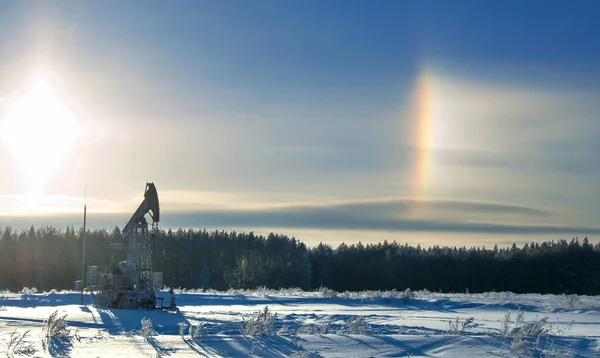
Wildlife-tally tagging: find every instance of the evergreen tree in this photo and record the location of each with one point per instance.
(49, 257)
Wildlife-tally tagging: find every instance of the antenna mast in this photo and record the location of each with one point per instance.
(83, 246)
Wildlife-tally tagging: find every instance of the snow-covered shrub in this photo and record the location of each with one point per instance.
(261, 324)
(16, 344)
(505, 328)
(571, 302)
(128, 333)
(522, 347)
(261, 291)
(146, 330)
(521, 328)
(389, 295)
(346, 294)
(327, 292)
(356, 325)
(100, 335)
(407, 296)
(28, 291)
(558, 331)
(283, 330)
(182, 327)
(292, 291)
(550, 350)
(324, 327)
(458, 327)
(196, 332)
(55, 327)
(369, 296)
(535, 328)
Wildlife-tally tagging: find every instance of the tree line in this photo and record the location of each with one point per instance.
(50, 258)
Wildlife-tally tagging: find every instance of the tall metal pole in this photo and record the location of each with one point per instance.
(83, 248)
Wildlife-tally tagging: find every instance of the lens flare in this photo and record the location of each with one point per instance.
(39, 131)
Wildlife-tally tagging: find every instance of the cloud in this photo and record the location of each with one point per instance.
(507, 118)
(24, 205)
(338, 221)
(557, 161)
(492, 208)
(335, 222)
(378, 215)
(62, 220)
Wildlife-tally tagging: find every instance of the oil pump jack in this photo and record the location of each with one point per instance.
(132, 283)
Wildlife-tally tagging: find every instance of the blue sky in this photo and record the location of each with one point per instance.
(296, 116)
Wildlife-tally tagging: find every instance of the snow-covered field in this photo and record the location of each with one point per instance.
(311, 324)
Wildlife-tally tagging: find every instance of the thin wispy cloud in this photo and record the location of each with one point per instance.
(361, 216)
(366, 217)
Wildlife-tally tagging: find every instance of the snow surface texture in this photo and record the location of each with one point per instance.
(293, 323)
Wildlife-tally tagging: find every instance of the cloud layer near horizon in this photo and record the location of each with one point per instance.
(375, 215)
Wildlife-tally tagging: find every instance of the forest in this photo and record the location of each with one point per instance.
(50, 258)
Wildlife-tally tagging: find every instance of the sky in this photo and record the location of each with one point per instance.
(430, 122)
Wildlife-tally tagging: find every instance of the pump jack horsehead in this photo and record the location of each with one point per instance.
(132, 283)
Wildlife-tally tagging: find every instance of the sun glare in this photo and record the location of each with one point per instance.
(39, 131)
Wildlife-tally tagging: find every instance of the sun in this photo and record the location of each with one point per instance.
(39, 131)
